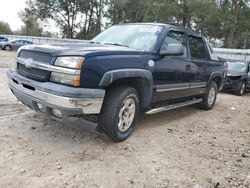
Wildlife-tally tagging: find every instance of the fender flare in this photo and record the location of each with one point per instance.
(146, 87)
(244, 77)
(214, 75)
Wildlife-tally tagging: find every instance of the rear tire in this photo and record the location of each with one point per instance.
(119, 113)
(7, 48)
(209, 97)
(241, 86)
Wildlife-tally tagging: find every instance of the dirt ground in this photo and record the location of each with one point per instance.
(186, 147)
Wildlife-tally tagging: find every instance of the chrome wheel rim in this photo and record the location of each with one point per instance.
(126, 114)
(7, 48)
(211, 96)
(242, 89)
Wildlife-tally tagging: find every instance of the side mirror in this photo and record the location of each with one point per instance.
(173, 49)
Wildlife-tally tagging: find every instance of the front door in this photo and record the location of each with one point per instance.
(17, 44)
(173, 73)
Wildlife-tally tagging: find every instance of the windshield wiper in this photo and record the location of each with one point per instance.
(116, 44)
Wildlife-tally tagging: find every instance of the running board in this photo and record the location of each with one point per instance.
(173, 106)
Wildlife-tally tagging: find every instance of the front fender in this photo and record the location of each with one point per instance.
(111, 76)
(144, 81)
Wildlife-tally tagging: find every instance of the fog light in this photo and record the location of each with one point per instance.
(57, 113)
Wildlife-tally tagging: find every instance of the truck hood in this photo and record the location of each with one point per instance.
(235, 73)
(81, 49)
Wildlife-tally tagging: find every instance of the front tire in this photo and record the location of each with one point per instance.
(119, 113)
(241, 86)
(210, 97)
(7, 48)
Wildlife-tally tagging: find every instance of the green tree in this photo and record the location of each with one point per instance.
(223, 20)
(235, 22)
(126, 10)
(31, 23)
(5, 28)
(63, 12)
(92, 13)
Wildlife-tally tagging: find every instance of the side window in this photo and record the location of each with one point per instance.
(175, 37)
(210, 48)
(197, 47)
(18, 42)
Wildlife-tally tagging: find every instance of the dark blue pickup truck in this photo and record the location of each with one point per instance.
(125, 70)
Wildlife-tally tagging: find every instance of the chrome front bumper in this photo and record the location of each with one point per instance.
(70, 101)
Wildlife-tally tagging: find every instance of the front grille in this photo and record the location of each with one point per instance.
(32, 73)
(235, 78)
(36, 56)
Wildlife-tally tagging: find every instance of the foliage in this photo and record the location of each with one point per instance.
(31, 26)
(223, 20)
(92, 13)
(63, 12)
(5, 28)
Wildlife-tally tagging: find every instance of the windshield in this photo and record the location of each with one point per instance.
(139, 37)
(237, 66)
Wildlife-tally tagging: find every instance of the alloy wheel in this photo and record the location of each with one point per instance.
(126, 114)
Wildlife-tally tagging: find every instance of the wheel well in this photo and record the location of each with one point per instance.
(245, 80)
(218, 81)
(142, 86)
(7, 45)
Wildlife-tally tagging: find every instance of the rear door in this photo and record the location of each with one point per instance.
(25, 42)
(21, 43)
(248, 75)
(200, 60)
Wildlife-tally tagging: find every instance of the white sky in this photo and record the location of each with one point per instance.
(9, 12)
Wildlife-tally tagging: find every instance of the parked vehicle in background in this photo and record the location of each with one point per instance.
(3, 39)
(238, 76)
(150, 68)
(14, 44)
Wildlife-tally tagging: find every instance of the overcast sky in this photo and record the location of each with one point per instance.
(9, 12)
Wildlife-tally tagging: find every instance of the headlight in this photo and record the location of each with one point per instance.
(65, 79)
(70, 62)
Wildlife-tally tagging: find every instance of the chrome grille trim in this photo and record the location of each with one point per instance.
(29, 63)
(36, 56)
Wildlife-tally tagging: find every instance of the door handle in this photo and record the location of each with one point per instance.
(205, 67)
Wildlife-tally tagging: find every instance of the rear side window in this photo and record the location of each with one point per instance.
(18, 42)
(175, 37)
(197, 47)
(26, 42)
